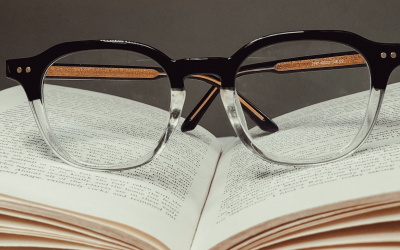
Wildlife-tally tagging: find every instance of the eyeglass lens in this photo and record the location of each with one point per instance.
(316, 92)
(107, 106)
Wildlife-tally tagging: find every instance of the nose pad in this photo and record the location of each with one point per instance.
(256, 115)
(201, 107)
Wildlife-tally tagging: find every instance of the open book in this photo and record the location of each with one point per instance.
(198, 196)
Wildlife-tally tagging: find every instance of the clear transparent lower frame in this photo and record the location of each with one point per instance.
(38, 110)
(236, 116)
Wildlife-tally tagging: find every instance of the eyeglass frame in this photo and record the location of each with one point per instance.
(225, 69)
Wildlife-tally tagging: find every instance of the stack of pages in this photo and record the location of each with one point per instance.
(196, 196)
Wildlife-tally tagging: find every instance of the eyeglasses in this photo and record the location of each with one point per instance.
(323, 88)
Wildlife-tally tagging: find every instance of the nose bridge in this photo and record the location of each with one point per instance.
(211, 65)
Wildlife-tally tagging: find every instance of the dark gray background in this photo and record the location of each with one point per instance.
(184, 29)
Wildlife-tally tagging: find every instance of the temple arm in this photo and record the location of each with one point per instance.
(337, 60)
(73, 71)
(308, 63)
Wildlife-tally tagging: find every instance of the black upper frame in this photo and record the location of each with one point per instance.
(225, 69)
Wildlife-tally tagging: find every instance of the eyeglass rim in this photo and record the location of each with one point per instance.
(225, 68)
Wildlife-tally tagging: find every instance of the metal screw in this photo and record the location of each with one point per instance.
(28, 69)
(19, 69)
(383, 55)
(393, 55)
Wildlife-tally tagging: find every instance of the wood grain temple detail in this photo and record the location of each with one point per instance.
(336, 61)
(97, 72)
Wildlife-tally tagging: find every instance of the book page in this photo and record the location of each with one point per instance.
(312, 225)
(249, 195)
(163, 199)
(370, 234)
(12, 225)
(17, 241)
(62, 226)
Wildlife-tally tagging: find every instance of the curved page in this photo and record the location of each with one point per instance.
(162, 199)
(249, 196)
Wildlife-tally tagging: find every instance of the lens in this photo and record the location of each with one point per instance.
(316, 92)
(107, 106)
